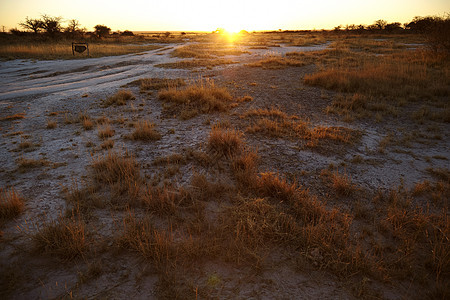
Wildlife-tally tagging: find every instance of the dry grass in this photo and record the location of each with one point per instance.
(51, 124)
(11, 204)
(147, 84)
(274, 61)
(244, 168)
(225, 142)
(64, 238)
(196, 63)
(342, 184)
(108, 144)
(143, 238)
(29, 163)
(118, 177)
(145, 131)
(105, 131)
(13, 117)
(404, 75)
(206, 51)
(202, 97)
(87, 123)
(83, 200)
(56, 50)
(115, 167)
(119, 98)
(24, 145)
(277, 124)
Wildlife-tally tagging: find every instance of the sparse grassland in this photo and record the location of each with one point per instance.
(63, 50)
(206, 51)
(196, 63)
(274, 61)
(194, 190)
(382, 84)
(277, 124)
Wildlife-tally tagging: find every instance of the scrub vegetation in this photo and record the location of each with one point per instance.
(316, 171)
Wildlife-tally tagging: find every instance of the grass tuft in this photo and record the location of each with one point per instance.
(145, 131)
(202, 97)
(51, 124)
(119, 98)
(65, 238)
(225, 142)
(11, 204)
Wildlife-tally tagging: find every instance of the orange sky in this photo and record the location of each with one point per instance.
(203, 15)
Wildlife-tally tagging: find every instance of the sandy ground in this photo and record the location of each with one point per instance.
(38, 88)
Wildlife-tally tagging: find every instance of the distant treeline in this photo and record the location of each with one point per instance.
(53, 27)
(435, 28)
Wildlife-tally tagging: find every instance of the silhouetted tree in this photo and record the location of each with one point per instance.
(127, 33)
(73, 26)
(396, 26)
(16, 31)
(421, 24)
(34, 25)
(102, 31)
(51, 25)
(380, 24)
(167, 34)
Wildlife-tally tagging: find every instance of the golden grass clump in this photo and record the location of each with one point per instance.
(142, 237)
(11, 204)
(30, 163)
(65, 238)
(87, 123)
(145, 131)
(105, 131)
(51, 124)
(271, 185)
(160, 200)
(115, 167)
(202, 97)
(342, 184)
(225, 142)
(247, 229)
(107, 144)
(119, 98)
(245, 167)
